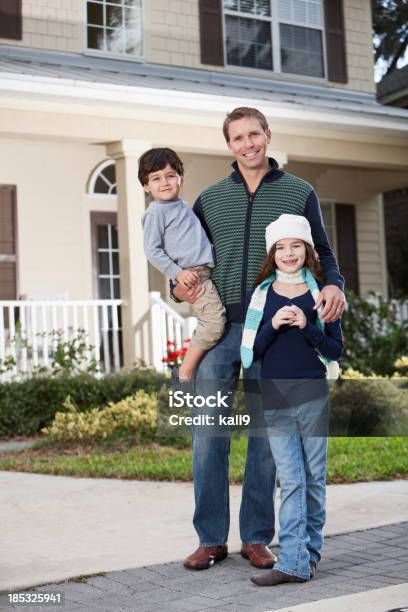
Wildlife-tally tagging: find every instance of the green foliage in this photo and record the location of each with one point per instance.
(65, 356)
(370, 407)
(374, 338)
(390, 24)
(134, 417)
(349, 460)
(28, 406)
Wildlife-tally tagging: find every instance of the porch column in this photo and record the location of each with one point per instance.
(134, 283)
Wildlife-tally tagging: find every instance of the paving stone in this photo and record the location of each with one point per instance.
(352, 563)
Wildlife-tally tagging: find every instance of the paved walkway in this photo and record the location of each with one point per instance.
(56, 527)
(359, 562)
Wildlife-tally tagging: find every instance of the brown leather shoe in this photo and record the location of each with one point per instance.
(205, 556)
(274, 577)
(259, 555)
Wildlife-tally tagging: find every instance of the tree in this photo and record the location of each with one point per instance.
(390, 23)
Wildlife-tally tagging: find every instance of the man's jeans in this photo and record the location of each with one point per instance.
(300, 457)
(211, 459)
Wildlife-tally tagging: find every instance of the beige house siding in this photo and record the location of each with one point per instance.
(53, 212)
(174, 38)
(171, 36)
(371, 246)
(360, 59)
(52, 24)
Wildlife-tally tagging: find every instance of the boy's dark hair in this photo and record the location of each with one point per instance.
(240, 113)
(157, 159)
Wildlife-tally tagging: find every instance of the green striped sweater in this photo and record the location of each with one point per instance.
(235, 222)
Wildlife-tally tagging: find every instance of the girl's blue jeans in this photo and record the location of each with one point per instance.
(220, 367)
(300, 458)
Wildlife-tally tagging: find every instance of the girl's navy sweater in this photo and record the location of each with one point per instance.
(289, 352)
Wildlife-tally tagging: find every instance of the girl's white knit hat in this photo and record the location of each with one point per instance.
(288, 226)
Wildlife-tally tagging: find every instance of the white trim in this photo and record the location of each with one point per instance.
(48, 89)
(95, 175)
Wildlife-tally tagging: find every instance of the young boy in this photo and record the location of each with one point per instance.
(176, 244)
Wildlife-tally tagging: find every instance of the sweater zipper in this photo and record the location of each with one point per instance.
(251, 197)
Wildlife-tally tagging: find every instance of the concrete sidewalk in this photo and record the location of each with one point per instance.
(355, 575)
(56, 527)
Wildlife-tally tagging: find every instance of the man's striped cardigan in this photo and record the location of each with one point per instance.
(235, 222)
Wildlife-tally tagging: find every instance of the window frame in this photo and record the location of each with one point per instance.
(110, 54)
(102, 218)
(275, 22)
(94, 177)
(331, 205)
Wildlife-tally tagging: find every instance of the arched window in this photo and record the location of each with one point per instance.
(103, 179)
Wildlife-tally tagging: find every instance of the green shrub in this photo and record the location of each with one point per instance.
(133, 416)
(370, 407)
(28, 406)
(374, 339)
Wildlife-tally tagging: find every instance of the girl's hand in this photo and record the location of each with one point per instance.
(299, 319)
(283, 316)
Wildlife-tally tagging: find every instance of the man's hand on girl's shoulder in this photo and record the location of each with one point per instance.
(334, 303)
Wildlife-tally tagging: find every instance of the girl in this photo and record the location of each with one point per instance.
(283, 329)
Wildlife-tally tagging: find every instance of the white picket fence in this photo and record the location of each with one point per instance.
(401, 310)
(32, 330)
(166, 326)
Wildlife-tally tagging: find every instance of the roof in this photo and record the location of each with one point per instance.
(393, 85)
(96, 69)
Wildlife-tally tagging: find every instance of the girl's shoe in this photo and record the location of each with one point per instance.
(313, 569)
(274, 577)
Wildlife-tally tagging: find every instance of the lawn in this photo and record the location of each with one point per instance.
(349, 460)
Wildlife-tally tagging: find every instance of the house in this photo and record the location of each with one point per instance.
(87, 86)
(393, 91)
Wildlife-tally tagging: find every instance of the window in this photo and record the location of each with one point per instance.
(103, 180)
(280, 35)
(106, 274)
(329, 219)
(115, 26)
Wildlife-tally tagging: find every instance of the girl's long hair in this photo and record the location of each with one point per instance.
(311, 261)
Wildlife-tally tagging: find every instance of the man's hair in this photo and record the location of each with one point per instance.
(157, 159)
(240, 113)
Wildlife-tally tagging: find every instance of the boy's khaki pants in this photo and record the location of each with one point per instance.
(210, 313)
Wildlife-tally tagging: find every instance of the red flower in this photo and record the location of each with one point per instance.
(187, 340)
(170, 343)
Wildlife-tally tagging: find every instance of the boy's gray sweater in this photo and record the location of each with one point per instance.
(174, 238)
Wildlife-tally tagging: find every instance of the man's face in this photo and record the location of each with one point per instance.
(164, 185)
(248, 142)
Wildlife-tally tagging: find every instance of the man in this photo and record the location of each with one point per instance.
(235, 212)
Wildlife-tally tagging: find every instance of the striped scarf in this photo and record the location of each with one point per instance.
(255, 313)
